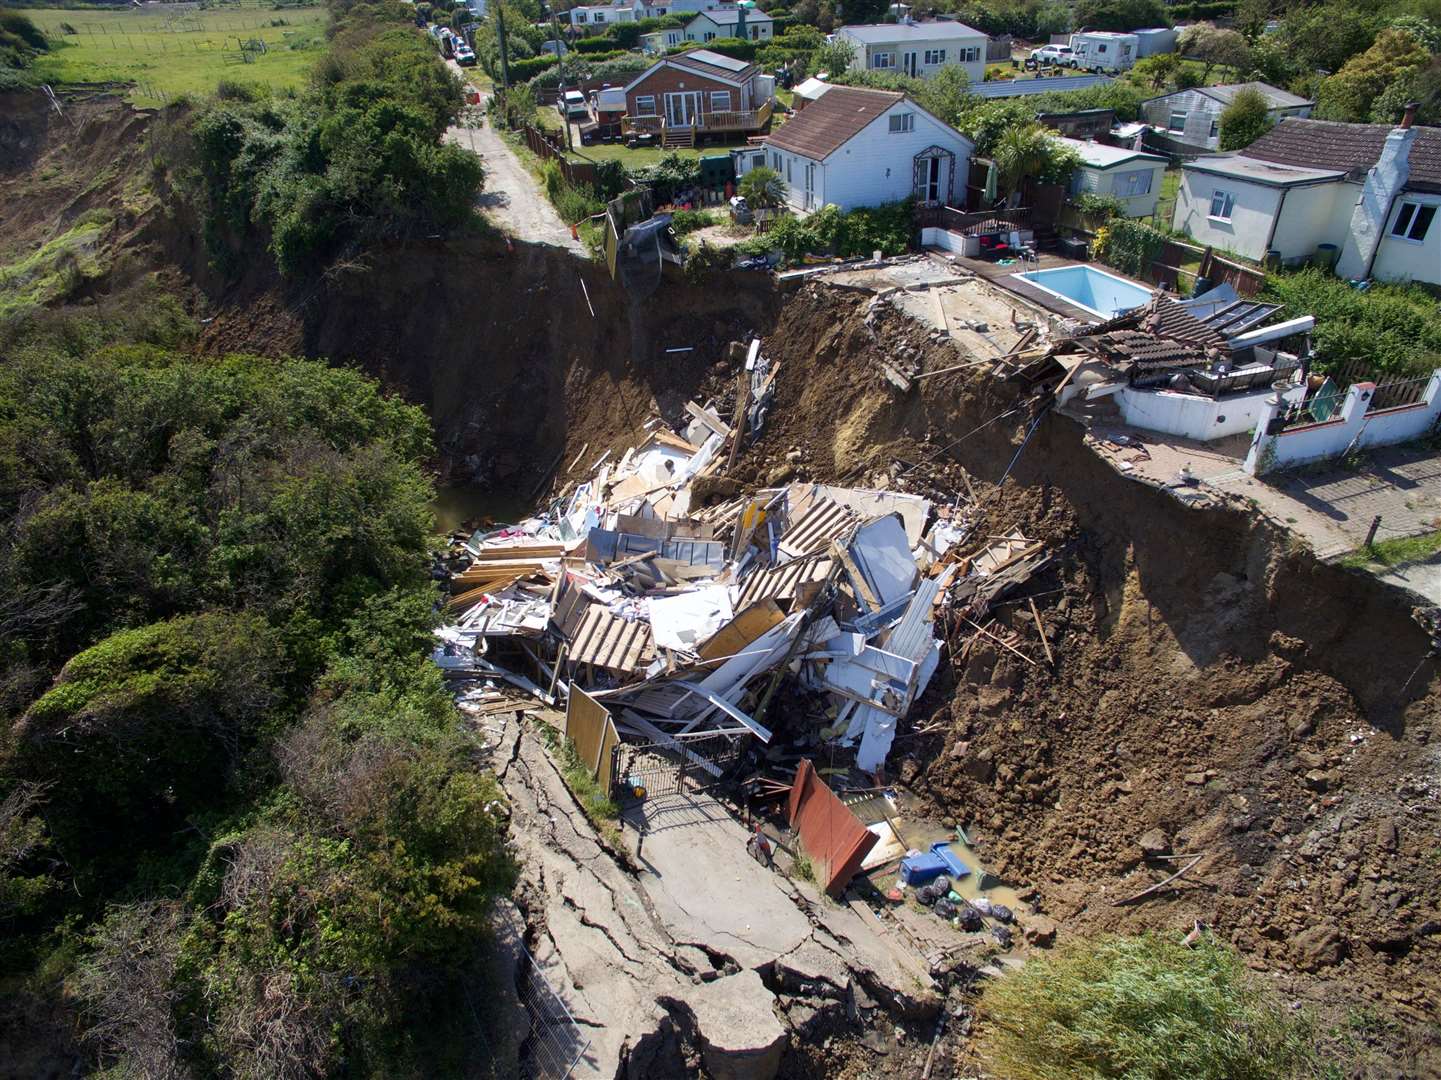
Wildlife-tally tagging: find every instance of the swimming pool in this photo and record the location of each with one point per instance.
(1096, 291)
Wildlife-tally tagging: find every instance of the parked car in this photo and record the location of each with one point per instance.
(572, 105)
(464, 56)
(1060, 55)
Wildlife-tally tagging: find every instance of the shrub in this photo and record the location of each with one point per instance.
(524, 70)
(1104, 207)
(1129, 246)
(1395, 327)
(1244, 120)
(1140, 1007)
(763, 188)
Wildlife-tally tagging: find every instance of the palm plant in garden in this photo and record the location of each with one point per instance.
(763, 188)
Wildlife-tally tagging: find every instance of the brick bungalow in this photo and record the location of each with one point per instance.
(699, 93)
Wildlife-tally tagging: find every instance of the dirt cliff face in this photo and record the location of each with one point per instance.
(1214, 686)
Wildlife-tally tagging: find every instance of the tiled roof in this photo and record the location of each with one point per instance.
(826, 124)
(1160, 335)
(1327, 144)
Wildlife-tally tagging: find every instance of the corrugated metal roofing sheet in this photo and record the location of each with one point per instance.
(620, 645)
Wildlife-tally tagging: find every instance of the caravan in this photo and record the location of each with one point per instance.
(1103, 50)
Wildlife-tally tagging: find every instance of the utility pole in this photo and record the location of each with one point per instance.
(500, 33)
(560, 65)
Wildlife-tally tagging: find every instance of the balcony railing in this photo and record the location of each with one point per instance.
(976, 223)
(704, 122)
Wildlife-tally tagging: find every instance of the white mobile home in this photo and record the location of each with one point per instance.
(1102, 50)
(1131, 176)
(917, 49)
(854, 147)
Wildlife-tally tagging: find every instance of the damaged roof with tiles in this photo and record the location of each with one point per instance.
(1161, 334)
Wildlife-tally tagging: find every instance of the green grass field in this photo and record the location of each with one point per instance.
(168, 54)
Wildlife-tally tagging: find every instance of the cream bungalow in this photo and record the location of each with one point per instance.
(1373, 193)
(1131, 176)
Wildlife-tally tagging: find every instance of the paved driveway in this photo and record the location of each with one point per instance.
(512, 198)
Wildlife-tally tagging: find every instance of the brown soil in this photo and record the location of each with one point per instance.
(53, 168)
(1213, 681)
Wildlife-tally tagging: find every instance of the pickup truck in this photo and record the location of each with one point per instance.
(1060, 55)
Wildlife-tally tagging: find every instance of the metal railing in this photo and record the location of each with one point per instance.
(974, 223)
(1398, 394)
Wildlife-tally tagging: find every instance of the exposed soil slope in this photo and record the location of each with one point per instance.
(1213, 681)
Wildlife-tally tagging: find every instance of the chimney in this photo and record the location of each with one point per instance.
(1386, 180)
(741, 21)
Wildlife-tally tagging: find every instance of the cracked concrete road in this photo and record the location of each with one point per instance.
(512, 198)
(697, 944)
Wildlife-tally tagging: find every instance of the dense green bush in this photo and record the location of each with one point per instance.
(1130, 246)
(1395, 327)
(887, 228)
(265, 849)
(358, 158)
(1141, 1007)
(525, 70)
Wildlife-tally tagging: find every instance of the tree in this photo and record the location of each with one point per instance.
(1422, 29)
(1325, 36)
(833, 58)
(1244, 120)
(1216, 47)
(1145, 1006)
(1422, 85)
(1028, 151)
(1121, 16)
(763, 188)
(944, 94)
(1157, 71)
(1350, 94)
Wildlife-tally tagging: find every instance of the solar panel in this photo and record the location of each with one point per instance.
(714, 59)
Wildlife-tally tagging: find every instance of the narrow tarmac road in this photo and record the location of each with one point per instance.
(512, 198)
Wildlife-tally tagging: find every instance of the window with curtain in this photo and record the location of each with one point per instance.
(1222, 203)
(1129, 185)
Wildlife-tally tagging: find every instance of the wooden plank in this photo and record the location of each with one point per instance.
(735, 635)
(858, 579)
(709, 419)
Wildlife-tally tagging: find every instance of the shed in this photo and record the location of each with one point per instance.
(1132, 176)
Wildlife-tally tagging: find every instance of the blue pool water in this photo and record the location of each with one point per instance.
(1095, 290)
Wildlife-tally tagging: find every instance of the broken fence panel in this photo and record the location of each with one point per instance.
(833, 837)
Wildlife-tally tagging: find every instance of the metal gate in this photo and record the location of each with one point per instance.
(690, 762)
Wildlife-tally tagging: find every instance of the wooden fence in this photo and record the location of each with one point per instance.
(1169, 268)
(973, 223)
(548, 148)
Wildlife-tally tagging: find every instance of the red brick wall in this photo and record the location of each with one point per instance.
(670, 80)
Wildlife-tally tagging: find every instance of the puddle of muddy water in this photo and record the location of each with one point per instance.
(921, 834)
(462, 504)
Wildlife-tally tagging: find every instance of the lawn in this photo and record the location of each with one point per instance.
(1166, 204)
(642, 156)
(169, 54)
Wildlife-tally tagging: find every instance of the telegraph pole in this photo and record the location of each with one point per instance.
(500, 33)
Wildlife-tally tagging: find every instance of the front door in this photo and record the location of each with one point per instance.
(810, 187)
(908, 63)
(932, 181)
(681, 109)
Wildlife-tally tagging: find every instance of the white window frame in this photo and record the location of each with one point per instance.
(1227, 207)
(1215, 128)
(776, 160)
(970, 56)
(645, 105)
(1405, 224)
(935, 56)
(902, 123)
(600, 16)
(1101, 48)
(1133, 184)
(579, 17)
(709, 35)
(1171, 120)
(725, 105)
(883, 61)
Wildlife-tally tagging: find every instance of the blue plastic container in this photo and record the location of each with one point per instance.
(940, 859)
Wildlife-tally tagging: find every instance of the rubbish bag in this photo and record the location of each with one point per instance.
(970, 919)
(945, 909)
(1002, 936)
(1001, 912)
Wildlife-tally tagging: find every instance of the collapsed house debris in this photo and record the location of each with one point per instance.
(679, 616)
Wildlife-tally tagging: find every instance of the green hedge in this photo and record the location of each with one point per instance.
(593, 44)
(522, 70)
